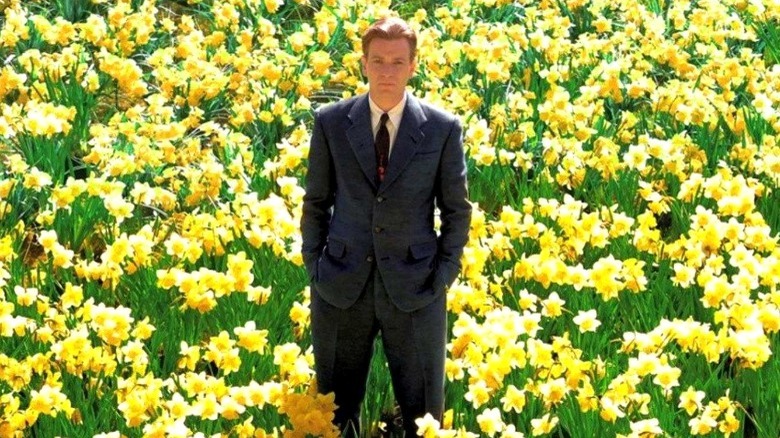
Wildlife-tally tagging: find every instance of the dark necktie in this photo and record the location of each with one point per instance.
(382, 145)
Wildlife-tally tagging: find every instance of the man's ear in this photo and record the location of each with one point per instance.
(363, 65)
(412, 67)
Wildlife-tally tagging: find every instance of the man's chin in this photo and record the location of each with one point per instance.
(386, 91)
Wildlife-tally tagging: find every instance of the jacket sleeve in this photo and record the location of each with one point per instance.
(454, 208)
(319, 198)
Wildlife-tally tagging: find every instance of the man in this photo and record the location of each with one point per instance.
(378, 165)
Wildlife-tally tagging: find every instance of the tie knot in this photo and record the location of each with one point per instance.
(383, 120)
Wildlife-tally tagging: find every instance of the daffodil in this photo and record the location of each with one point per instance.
(544, 425)
(587, 321)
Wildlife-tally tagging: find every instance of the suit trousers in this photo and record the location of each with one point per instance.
(414, 344)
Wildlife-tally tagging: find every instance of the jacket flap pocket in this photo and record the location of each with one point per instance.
(422, 250)
(336, 248)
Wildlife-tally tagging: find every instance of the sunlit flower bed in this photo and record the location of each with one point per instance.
(622, 271)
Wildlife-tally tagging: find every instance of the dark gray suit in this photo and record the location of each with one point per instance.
(374, 259)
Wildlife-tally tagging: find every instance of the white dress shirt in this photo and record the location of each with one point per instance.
(393, 123)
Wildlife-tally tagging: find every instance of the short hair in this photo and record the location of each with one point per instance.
(390, 28)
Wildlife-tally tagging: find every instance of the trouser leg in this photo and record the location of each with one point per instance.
(415, 346)
(343, 342)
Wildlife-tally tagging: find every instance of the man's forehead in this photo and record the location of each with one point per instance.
(396, 47)
(389, 55)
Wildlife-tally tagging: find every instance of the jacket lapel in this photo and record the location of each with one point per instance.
(361, 138)
(407, 140)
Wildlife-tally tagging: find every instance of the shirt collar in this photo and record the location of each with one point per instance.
(395, 112)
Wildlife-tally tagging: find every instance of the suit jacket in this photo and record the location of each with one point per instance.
(350, 221)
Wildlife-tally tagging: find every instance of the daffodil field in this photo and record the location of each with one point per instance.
(622, 272)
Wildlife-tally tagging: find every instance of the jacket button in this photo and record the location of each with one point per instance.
(378, 229)
(370, 259)
(380, 199)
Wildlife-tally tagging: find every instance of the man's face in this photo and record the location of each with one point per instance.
(388, 67)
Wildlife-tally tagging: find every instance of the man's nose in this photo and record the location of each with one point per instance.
(387, 70)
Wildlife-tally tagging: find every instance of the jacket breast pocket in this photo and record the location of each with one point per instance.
(427, 154)
(422, 168)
